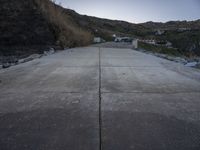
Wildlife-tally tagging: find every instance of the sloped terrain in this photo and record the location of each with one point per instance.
(67, 32)
(35, 25)
(22, 27)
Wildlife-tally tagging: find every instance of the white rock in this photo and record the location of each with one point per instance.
(51, 51)
(191, 64)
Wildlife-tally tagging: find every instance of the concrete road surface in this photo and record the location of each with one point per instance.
(100, 98)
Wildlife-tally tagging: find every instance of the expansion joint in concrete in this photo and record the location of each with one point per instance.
(100, 111)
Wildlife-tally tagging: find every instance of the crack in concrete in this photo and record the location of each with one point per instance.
(100, 113)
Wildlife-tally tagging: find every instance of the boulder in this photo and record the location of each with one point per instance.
(50, 52)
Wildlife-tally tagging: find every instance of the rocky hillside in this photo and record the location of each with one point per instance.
(32, 26)
(22, 26)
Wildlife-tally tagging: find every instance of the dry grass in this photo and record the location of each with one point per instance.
(67, 33)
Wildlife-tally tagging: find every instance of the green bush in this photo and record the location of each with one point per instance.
(159, 49)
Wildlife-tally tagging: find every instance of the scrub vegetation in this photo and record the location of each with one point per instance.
(159, 49)
(67, 32)
(33, 26)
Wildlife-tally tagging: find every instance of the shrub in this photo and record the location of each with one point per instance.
(67, 33)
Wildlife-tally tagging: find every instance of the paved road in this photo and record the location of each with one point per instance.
(91, 98)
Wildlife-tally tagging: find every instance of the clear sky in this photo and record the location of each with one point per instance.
(137, 11)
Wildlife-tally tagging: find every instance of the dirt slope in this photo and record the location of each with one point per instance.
(35, 25)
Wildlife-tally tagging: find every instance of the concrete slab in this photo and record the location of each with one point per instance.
(148, 103)
(51, 103)
(49, 121)
(63, 79)
(127, 58)
(157, 80)
(150, 121)
(119, 53)
(69, 101)
(82, 52)
(77, 57)
(128, 62)
(59, 72)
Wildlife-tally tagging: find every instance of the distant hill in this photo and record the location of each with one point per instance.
(172, 25)
(105, 27)
(184, 35)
